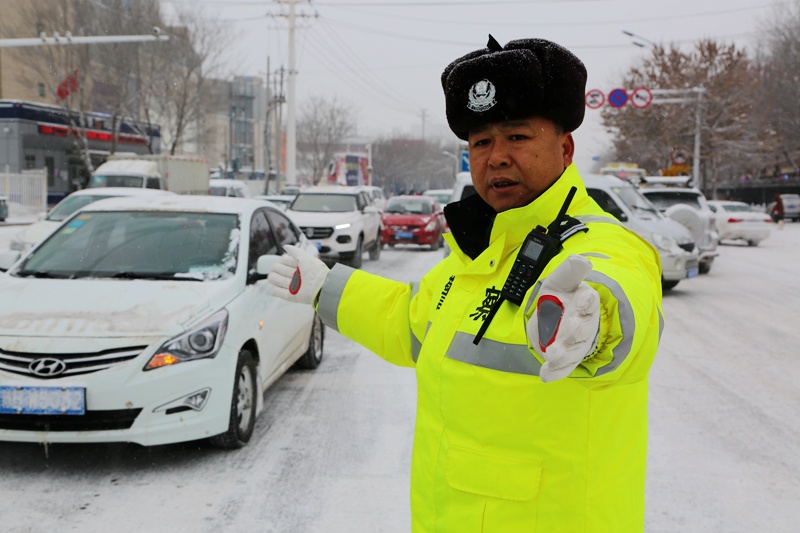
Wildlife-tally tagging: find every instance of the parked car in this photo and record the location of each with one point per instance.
(3, 208)
(224, 187)
(442, 195)
(415, 220)
(675, 245)
(791, 206)
(290, 190)
(37, 231)
(149, 320)
(341, 220)
(376, 196)
(740, 221)
(688, 206)
(463, 187)
(281, 200)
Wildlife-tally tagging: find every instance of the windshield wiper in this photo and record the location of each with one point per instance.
(172, 276)
(38, 274)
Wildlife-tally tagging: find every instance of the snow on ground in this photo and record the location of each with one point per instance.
(332, 451)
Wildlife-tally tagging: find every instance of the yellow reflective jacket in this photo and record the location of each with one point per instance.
(495, 449)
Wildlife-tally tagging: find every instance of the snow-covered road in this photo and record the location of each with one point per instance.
(332, 451)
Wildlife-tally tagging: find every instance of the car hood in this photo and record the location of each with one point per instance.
(321, 219)
(668, 227)
(106, 308)
(404, 219)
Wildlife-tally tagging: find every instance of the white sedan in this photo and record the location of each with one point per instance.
(150, 321)
(740, 221)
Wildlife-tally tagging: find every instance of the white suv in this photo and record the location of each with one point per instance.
(688, 206)
(341, 220)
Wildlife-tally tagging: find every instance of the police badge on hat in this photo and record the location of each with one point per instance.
(481, 96)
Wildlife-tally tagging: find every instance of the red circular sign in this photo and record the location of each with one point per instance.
(595, 99)
(641, 97)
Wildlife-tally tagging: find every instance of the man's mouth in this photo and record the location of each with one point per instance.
(502, 184)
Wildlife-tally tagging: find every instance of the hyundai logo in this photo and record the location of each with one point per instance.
(47, 367)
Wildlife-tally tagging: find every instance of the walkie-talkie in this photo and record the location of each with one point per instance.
(540, 246)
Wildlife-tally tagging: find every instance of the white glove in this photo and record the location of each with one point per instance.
(297, 276)
(564, 328)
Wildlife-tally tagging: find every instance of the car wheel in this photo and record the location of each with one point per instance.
(375, 250)
(668, 285)
(313, 356)
(752, 243)
(704, 268)
(244, 401)
(435, 244)
(358, 256)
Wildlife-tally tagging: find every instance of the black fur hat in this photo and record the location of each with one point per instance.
(527, 77)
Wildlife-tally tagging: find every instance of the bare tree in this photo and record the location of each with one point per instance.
(321, 127)
(734, 128)
(780, 63)
(401, 164)
(174, 79)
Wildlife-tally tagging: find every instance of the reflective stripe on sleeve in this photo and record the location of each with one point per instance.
(627, 321)
(515, 358)
(416, 345)
(331, 295)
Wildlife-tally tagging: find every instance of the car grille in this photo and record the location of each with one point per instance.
(317, 233)
(67, 364)
(91, 421)
(687, 246)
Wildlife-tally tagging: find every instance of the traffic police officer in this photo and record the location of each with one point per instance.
(532, 412)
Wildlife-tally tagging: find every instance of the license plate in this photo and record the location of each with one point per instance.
(691, 273)
(404, 235)
(43, 400)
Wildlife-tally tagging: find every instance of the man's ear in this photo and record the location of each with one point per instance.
(568, 148)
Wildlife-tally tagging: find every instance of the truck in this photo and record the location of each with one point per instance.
(348, 169)
(182, 174)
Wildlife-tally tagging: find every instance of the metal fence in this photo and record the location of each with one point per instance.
(28, 189)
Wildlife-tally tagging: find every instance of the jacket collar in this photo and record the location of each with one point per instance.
(475, 225)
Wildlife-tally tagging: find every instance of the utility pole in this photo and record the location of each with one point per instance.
(291, 96)
(687, 96)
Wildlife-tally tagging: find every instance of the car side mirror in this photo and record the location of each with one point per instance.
(371, 209)
(8, 258)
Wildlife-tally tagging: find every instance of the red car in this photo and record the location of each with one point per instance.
(413, 220)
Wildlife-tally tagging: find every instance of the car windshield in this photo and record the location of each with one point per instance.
(441, 197)
(666, 199)
(139, 245)
(333, 203)
(100, 180)
(218, 191)
(71, 204)
(637, 202)
(415, 207)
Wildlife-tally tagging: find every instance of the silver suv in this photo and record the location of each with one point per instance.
(688, 206)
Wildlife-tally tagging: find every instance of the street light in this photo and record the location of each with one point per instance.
(639, 43)
(454, 157)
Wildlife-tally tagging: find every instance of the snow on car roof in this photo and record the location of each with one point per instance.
(178, 202)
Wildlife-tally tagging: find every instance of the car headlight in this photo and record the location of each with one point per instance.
(664, 242)
(431, 226)
(200, 342)
(341, 226)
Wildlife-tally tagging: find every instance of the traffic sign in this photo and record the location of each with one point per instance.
(617, 97)
(641, 97)
(464, 161)
(679, 155)
(595, 99)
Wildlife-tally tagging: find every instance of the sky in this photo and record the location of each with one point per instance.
(384, 58)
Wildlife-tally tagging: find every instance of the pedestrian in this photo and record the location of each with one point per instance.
(778, 212)
(532, 397)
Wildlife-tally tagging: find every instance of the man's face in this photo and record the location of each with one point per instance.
(515, 161)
